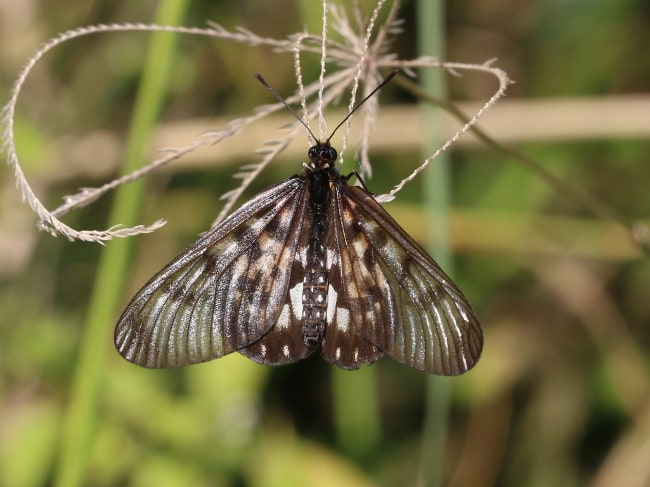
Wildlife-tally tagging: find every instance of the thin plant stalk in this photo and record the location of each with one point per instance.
(436, 190)
(81, 417)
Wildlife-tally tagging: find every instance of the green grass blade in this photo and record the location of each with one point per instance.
(82, 412)
(431, 43)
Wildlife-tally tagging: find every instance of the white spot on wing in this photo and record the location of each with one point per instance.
(295, 295)
(342, 319)
(301, 256)
(258, 225)
(263, 350)
(241, 265)
(284, 320)
(332, 297)
(270, 247)
(360, 246)
(330, 259)
(337, 354)
(285, 350)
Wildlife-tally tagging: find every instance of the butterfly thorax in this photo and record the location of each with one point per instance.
(319, 173)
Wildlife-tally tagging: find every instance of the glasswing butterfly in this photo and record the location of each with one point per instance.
(311, 262)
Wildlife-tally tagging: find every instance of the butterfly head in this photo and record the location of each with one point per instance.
(322, 156)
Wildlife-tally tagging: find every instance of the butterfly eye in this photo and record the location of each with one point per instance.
(331, 154)
(322, 153)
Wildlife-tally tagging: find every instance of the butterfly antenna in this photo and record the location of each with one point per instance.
(390, 76)
(288, 107)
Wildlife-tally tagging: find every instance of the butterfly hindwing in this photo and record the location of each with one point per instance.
(399, 299)
(284, 343)
(224, 292)
(343, 344)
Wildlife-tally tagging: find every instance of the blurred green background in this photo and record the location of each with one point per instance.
(560, 396)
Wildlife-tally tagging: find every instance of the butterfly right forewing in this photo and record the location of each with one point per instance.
(224, 292)
(400, 300)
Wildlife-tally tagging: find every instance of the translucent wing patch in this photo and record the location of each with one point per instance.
(399, 300)
(225, 291)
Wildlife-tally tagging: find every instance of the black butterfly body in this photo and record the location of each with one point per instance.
(309, 262)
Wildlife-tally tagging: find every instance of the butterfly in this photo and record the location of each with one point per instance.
(310, 263)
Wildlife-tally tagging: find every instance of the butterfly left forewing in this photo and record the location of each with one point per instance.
(400, 300)
(224, 292)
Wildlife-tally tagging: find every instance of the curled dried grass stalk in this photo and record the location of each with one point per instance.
(360, 57)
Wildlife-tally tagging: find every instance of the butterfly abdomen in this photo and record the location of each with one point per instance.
(315, 281)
